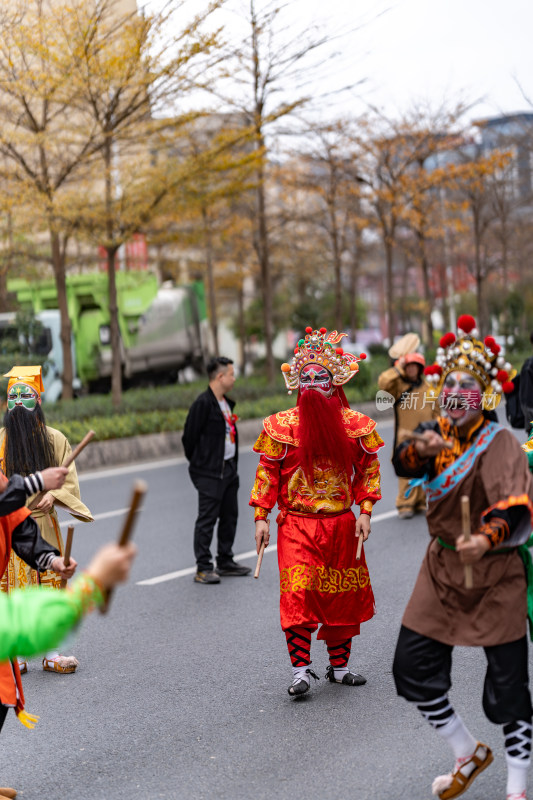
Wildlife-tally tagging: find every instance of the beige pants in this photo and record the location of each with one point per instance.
(416, 499)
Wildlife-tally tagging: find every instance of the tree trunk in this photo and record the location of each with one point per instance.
(114, 329)
(262, 242)
(389, 251)
(428, 298)
(262, 247)
(3, 288)
(58, 263)
(354, 280)
(111, 251)
(242, 329)
(211, 279)
(482, 317)
(334, 234)
(505, 285)
(4, 272)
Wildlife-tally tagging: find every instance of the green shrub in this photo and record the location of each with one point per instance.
(119, 426)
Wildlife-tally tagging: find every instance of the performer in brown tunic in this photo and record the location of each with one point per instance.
(483, 461)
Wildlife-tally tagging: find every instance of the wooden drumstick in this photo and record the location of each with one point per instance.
(139, 490)
(66, 557)
(68, 461)
(259, 559)
(75, 453)
(359, 546)
(465, 518)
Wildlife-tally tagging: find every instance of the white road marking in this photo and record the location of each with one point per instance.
(126, 469)
(105, 515)
(181, 573)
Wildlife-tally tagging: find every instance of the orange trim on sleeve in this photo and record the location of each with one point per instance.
(511, 502)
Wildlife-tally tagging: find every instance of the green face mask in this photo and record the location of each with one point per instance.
(21, 394)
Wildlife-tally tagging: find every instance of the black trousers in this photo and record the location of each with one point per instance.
(3, 715)
(422, 672)
(217, 500)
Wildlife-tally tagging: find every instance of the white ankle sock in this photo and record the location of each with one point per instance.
(458, 737)
(340, 672)
(517, 773)
(300, 674)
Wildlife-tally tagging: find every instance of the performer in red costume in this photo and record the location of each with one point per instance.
(317, 460)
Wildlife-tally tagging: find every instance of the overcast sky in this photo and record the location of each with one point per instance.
(423, 48)
(412, 50)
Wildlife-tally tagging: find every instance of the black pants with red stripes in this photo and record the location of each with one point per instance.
(299, 645)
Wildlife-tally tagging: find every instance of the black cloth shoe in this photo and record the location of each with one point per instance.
(206, 577)
(350, 679)
(233, 569)
(299, 687)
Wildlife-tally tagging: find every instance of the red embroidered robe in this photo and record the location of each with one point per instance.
(321, 580)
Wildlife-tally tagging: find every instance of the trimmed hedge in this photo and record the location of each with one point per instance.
(119, 426)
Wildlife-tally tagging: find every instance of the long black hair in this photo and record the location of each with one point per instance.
(28, 446)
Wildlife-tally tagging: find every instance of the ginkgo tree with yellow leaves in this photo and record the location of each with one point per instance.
(86, 91)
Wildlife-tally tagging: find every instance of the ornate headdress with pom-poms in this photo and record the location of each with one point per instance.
(323, 351)
(467, 353)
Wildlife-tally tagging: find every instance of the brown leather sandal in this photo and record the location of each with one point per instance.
(62, 664)
(464, 774)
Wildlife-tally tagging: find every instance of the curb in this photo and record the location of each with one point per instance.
(157, 446)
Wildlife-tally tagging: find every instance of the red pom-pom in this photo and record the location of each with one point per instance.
(296, 351)
(496, 349)
(428, 370)
(323, 330)
(502, 376)
(362, 356)
(309, 329)
(508, 387)
(466, 322)
(437, 370)
(490, 341)
(447, 339)
(339, 351)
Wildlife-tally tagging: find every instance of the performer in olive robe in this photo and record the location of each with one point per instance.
(28, 445)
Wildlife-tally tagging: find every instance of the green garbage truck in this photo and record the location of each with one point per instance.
(163, 328)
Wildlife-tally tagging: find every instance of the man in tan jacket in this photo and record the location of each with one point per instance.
(405, 382)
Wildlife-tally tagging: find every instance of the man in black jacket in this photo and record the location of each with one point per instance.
(211, 445)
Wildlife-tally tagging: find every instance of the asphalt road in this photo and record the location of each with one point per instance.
(181, 691)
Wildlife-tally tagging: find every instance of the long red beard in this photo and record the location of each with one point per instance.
(322, 433)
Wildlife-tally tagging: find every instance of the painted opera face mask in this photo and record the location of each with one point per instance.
(461, 397)
(317, 378)
(20, 394)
